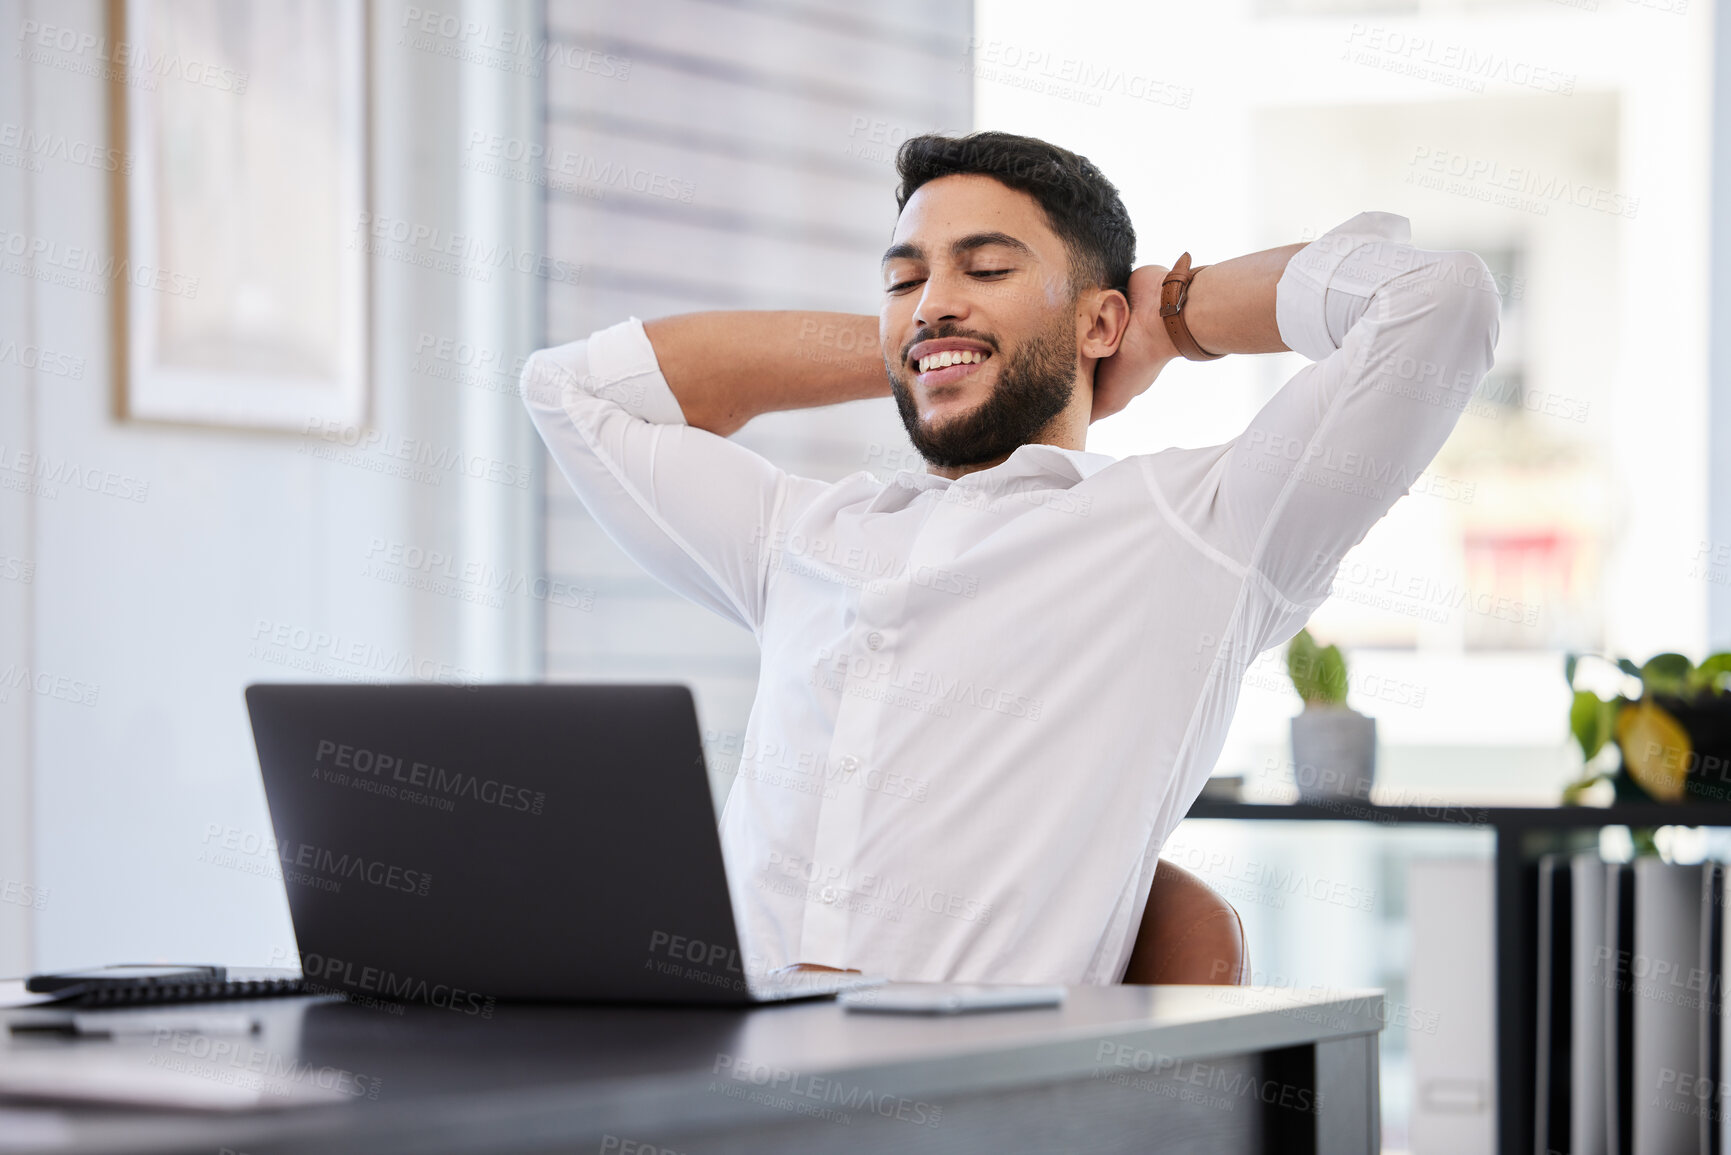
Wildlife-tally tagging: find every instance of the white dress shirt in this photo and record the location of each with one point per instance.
(984, 704)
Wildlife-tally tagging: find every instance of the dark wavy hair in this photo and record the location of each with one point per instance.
(1081, 205)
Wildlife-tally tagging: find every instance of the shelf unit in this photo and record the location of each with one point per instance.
(1522, 834)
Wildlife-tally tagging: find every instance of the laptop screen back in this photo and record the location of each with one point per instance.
(463, 844)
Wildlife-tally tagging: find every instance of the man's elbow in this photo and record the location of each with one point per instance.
(1474, 301)
(542, 383)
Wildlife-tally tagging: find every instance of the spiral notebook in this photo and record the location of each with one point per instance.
(143, 984)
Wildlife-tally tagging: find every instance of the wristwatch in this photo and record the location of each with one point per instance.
(1174, 291)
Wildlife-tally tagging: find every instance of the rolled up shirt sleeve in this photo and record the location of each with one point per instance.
(1399, 337)
(688, 506)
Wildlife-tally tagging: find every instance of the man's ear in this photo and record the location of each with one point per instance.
(1104, 322)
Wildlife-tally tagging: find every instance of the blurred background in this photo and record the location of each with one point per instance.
(268, 272)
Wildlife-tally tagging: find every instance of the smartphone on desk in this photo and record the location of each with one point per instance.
(949, 998)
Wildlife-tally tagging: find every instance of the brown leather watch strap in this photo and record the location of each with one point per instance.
(1174, 291)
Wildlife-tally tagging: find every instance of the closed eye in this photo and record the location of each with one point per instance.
(901, 286)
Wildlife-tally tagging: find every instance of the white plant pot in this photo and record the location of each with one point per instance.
(1333, 753)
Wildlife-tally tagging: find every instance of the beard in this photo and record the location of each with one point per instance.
(1034, 385)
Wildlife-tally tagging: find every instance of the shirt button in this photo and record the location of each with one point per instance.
(874, 640)
(828, 894)
(849, 764)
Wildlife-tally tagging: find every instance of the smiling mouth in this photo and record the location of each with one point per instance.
(937, 369)
(951, 357)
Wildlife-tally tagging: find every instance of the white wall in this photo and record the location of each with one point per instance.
(156, 605)
(1719, 352)
(17, 875)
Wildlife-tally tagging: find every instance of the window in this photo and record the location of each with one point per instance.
(1566, 146)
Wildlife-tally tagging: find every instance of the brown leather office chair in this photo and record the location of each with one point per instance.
(1189, 935)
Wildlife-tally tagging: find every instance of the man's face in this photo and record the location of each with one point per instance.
(975, 276)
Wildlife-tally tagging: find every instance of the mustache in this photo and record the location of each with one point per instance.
(941, 331)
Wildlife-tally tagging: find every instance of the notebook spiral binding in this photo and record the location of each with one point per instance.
(147, 993)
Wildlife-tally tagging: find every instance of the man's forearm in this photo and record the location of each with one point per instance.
(728, 367)
(1230, 308)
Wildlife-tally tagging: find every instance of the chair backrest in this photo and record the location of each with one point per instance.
(1189, 935)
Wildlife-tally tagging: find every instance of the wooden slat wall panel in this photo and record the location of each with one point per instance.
(893, 17)
(817, 191)
(863, 55)
(823, 64)
(572, 310)
(752, 269)
(736, 106)
(756, 106)
(840, 145)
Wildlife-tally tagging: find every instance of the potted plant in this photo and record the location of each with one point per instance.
(1672, 738)
(1333, 745)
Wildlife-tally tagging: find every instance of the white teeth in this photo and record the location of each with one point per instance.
(951, 357)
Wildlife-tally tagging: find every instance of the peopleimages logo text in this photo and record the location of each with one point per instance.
(342, 867)
(348, 976)
(135, 58)
(455, 783)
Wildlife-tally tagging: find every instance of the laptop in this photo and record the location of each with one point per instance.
(463, 845)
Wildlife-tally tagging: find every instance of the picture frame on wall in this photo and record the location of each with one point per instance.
(243, 301)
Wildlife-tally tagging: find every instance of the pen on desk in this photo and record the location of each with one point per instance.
(124, 1023)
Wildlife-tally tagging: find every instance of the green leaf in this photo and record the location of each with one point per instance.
(1666, 673)
(1334, 675)
(1591, 719)
(1318, 674)
(1569, 669)
(1628, 667)
(1711, 676)
(1301, 664)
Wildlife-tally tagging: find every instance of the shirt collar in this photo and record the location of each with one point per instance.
(1067, 466)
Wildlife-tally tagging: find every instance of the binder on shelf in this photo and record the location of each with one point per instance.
(1618, 952)
(1709, 1108)
(1551, 1083)
(1668, 1001)
(1589, 970)
(1452, 976)
(1721, 1101)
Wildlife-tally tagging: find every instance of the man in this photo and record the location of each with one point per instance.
(990, 690)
